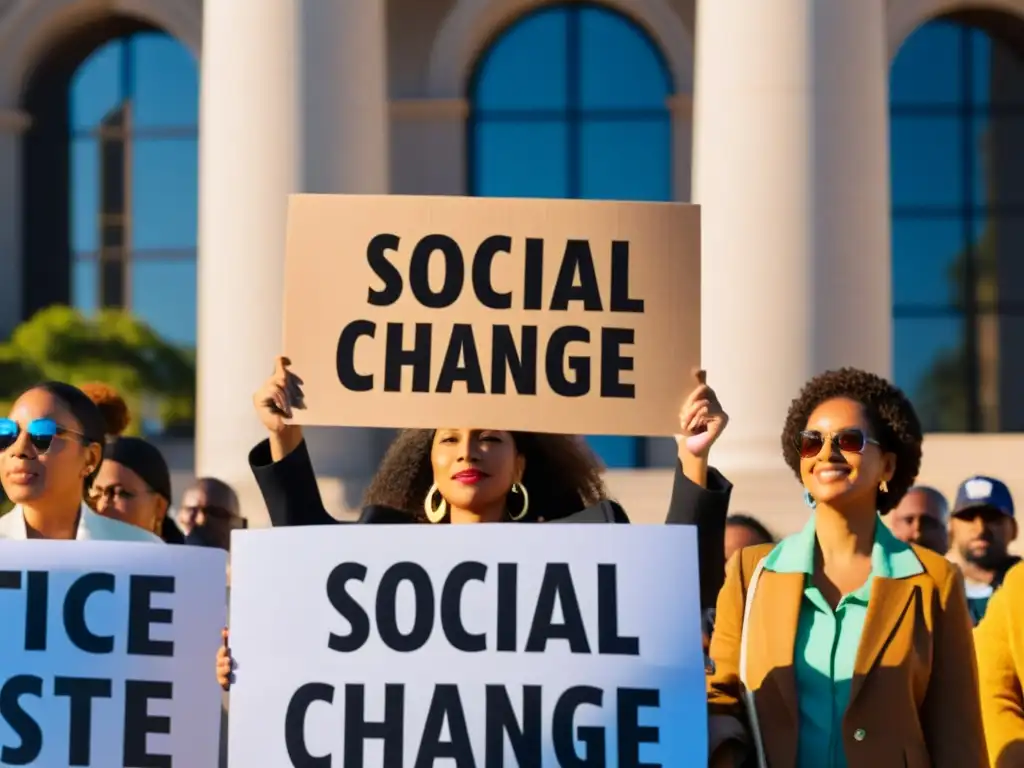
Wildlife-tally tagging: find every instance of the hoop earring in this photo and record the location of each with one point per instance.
(809, 500)
(883, 487)
(519, 488)
(434, 514)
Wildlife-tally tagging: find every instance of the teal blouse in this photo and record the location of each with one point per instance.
(827, 641)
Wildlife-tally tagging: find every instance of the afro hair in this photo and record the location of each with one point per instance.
(894, 423)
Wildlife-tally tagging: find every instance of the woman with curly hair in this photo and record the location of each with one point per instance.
(449, 475)
(841, 645)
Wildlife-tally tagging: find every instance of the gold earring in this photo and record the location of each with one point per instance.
(883, 487)
(434, 514)
(519, 488)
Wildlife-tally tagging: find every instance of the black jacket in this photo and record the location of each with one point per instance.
(292, 497)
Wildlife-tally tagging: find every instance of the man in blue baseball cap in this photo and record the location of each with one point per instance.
(981, 528)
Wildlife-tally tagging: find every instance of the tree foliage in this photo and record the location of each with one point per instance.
(156, 378)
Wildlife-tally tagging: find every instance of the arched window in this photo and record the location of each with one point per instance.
(957, 121)
(571, 102)
(114, 153)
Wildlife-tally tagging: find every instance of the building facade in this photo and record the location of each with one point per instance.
(857, 164)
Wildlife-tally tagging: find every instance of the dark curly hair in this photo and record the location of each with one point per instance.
(562, 475)
(894, 423)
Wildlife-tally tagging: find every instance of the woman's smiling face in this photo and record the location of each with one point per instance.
(848, 465)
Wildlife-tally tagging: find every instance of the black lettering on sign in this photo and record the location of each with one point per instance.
(564, 734)
(557, 357)
(621, 300)
(630, 733)
(461, 362)
(613, 363)
(508, 606)
(295, 724)
(506, 358)
(387, 607)
(557, 590)
(142, 615)
(578, 262)
(139, 724)
(451, 608)
(482, 285)
(348, 608)
(557, 586)
(351, 379)
(358, 729)
(445, 707)
(500, 722)
(522, 726)
(385, 270)
(20, 721)
(419, 271)
(36, 605)
(609, 642)
(80, 692)
(398, 357)
(74, 612)
(568, 374)
(513, 359)
(533, 274)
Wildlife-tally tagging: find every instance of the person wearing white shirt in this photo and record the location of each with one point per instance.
(51, 446)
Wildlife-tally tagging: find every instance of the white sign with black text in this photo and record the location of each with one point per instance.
(474, 646)
(107, 654)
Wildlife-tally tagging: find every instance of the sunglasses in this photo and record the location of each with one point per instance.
(41, 433)
(846, 440)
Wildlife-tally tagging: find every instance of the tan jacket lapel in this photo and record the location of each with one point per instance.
(886, 607)
(779, 613)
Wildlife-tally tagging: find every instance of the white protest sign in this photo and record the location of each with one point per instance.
(380, 646)
(107, 654)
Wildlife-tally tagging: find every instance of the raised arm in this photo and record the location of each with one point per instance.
(700, 494)
(281, 463)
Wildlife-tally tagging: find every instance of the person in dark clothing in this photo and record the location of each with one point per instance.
(478, 475)
(981, 528)
(475, 475)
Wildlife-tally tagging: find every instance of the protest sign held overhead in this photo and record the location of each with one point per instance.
(98, 654)
(394, 646)
(405, 311)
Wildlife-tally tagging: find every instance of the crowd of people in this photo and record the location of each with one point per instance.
(882, 633)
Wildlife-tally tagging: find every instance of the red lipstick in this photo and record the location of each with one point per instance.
(469, 476)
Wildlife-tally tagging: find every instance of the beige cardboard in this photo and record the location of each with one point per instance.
(328, 282)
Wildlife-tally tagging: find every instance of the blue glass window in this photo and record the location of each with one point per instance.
(571, 102)
(151, 80)
(957, 117)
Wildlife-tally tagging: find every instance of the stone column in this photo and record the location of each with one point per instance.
(12, 125)
(791, 166)
(294, 99)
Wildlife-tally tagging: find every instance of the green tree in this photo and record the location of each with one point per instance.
(59, 343)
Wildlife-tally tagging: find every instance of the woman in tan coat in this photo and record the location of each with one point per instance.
(855, 648)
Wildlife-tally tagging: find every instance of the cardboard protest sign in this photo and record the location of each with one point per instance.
(521, 314)
(481, 645)
(106, 654)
